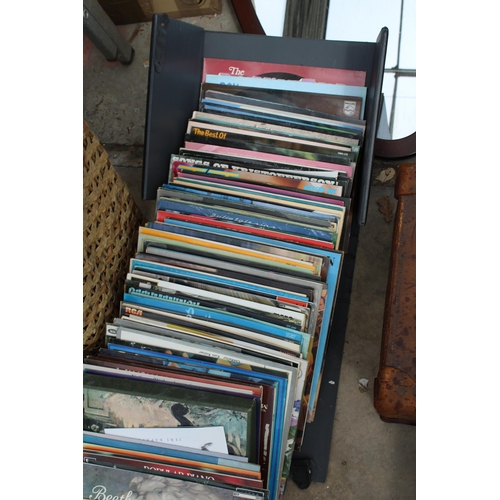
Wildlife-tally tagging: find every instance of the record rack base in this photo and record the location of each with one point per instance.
(311, 463)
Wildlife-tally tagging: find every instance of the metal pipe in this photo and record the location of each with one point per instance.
(103, 33)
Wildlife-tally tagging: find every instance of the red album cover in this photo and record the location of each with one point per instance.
(283, 71)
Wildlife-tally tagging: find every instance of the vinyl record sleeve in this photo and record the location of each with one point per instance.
(296, 86)
(297, 257)
(235, 67)
(235, 338)
(228, 133)
(333, 208)
(321, 329)
(318, 192)
(293, 215)
(236, 308)
(264, 348)
(200, 327)
(270, 106)
(242, 303)
(202, 164)
(332, 277)
(192, 349)
(312, 203)
(217, 317)
(230, 118)
(237, 303)
(100, 481)
(227, 468)
(158, 344)
(285, 381)
(150, 467)
(204, 247)
(326, 183)
(115, 401)
(135, 443)
(340, 106)
(238, 292)
(173, 271)
(293, 290)
(164, 216)
(149, 363)
(220, 213)
(253, 150)
(342, 133)
(283, 132)
(270, 157)
(177, 379)
(315, 291)
(148, 282)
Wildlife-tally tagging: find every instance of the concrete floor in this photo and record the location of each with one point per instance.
(369, 459)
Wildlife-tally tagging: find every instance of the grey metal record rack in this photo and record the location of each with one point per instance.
(175, 73)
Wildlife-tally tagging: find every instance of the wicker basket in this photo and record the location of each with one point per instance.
(111, 220)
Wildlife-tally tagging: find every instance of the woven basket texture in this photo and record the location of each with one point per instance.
(111, 221)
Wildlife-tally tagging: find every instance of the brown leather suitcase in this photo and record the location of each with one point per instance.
(396, 382)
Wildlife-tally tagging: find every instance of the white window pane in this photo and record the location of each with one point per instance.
(407, 57)
(271, 14)
(405, 122)
(405, 107)
(388, 93)
(362, 20)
